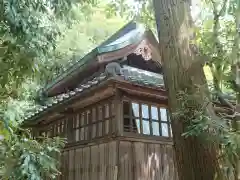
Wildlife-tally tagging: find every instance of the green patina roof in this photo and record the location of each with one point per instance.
(130, 74)
(143, 77)
(129, 34)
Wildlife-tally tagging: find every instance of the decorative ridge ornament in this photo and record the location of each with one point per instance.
(113, 69)
(144, 50)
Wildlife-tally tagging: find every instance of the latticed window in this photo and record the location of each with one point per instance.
(146, 119)
(55, 128)
(88, 123)
(93, 122)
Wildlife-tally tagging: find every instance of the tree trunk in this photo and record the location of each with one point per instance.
(196, 158)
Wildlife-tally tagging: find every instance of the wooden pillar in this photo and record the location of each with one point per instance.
(118, 112)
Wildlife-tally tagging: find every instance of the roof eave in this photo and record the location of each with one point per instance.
(74, 69)
(83, 63)
(118, 80)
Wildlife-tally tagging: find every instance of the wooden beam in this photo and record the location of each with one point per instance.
(94, 94)
(118, 107)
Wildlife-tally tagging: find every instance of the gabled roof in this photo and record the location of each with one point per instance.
(131, 33)
(130, 74)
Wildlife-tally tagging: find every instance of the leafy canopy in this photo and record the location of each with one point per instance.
(38, 40)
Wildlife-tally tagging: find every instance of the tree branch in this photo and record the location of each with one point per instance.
(221, 110)
(230, 117)
(214, 7)
(224, 101)
(223, 9)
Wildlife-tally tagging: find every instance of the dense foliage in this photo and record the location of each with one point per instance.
(39, 39)
(24, 158)
(28, 31)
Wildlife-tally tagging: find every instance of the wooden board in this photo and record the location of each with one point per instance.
(78, 163)
(94, 162)
(102, 165)
(125, 158)
(146, 161)
(119, 160)
(65, 165)
(139, 160)
(71, 164)
(111, 160)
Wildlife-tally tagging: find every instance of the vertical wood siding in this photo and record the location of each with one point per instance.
(146, 161)
(97, 162)
(122, 160)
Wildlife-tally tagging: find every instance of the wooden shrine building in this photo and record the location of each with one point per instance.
(112, 108)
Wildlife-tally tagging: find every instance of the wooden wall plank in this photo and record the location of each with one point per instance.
(158, 153)
(165, 163)
(71, 164)
(153, 161)
(94, 162)
(81, 164)
(139, 161)
(106, 160)
(65, 165)
(172, 170)
(112, 157)
(102, 165)
(87, 163)
(130, 161)
(146, 161)
(125, 153)
(84, 164)
(77, 164)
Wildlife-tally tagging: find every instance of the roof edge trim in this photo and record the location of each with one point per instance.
(77, 67)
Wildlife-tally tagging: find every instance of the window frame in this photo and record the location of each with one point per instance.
(99, 123)
(150, 119)
(77, 126)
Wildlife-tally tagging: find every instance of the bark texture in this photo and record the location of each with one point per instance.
(196, 159)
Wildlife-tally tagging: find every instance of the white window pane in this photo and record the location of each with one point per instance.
(77, 135)
(77, 121)
(86, 133)
(146, 129)
(135, 108)
(82, 134)
(100, 112)
(82, 118)
(145, 111)
(165, 130)
(171, 131)
(58, 130)
(163, 112)
(106, 126)
(93, 114)
(100, 129)
(62, 127)
(154, 112)
(94, 130)
(138, 125)
(155, 128)
(106, 111)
